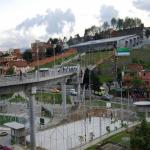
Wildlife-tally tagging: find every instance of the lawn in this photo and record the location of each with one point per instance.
(52, 98)
(122, 138)
(102, 103)
(107, 69)
(4, 119)
(92, 58)
(57, 62)
(17, 99)
(5, 96)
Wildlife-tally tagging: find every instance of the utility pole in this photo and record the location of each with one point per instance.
(37, 53)
(31, 96)
(121, 103)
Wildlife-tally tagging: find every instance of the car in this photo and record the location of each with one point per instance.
(73, 92)
(107, 97)
(4, 148)
(3, 133)
(55, 90)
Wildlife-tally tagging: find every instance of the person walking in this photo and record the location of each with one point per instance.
(20, 74)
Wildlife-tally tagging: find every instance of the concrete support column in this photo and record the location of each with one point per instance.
(63, 93)
(78, 92)
(78, 82)
(32, 118)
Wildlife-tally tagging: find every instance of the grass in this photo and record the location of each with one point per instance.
(6, 96)
(50, 98)
(92, 58)
(107, 69)
(118, 138)
(103, 104)
(4, 119)
(57, 62)
(17, 99)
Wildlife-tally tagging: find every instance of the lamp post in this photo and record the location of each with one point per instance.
(54, 46)
(121, 103)
(37, 57)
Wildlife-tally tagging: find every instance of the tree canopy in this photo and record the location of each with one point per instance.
(27, 55)
(140, 137)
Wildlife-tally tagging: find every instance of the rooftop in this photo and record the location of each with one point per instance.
(142, 103)
(14, 125)
(102, 41)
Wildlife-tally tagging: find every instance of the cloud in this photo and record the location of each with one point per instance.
(40, 27)
(54, 21)
(15, 39)
(142, 4)
(107, 13)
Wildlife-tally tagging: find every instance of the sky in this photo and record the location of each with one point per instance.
(24, 21)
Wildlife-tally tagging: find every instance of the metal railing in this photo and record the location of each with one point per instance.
(34, 77)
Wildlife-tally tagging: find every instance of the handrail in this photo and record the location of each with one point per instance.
(34, 77)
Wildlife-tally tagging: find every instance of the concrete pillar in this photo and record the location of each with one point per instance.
(31, 96)
(79, 93)
(78, 82)
(63, 92)
(146, 114)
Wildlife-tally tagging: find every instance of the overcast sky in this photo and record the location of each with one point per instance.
(24, 21)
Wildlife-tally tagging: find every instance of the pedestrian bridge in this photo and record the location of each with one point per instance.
(9, 82)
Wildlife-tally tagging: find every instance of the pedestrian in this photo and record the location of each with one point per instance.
(20, 74)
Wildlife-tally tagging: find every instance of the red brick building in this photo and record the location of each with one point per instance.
(39, 50)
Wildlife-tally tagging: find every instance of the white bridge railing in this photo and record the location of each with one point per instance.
(35, 76)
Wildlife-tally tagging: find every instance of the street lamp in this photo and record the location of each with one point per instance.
(54, 46)
(121, 103)
(37, 57)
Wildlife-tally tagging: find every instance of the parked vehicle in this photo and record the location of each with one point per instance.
(107, 97)
(3, 133)
(100, 92)
(73, 92)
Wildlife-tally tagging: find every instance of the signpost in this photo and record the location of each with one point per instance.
(122, 51)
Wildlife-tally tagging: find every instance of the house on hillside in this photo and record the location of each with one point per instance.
(17, 65)
(134, 74)
(145, 76)
(16, 53)
(130, 72)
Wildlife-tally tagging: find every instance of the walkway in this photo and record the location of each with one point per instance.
(33, 77)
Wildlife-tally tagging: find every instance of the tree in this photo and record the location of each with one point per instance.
(49, 52)
(27, 55)
(70, 41)
(105, 26)
(95, 81)
(58, 49)
(98, 36)
(119, 75)
(10, 71)
(120, 24)
(113, 22)
(86, 78)
(147, 33)
(92, 31)
(138, 22)
(78, 38)
(140, 136)
(137, 82)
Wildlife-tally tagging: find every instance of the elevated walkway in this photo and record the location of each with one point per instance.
(13, 83)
